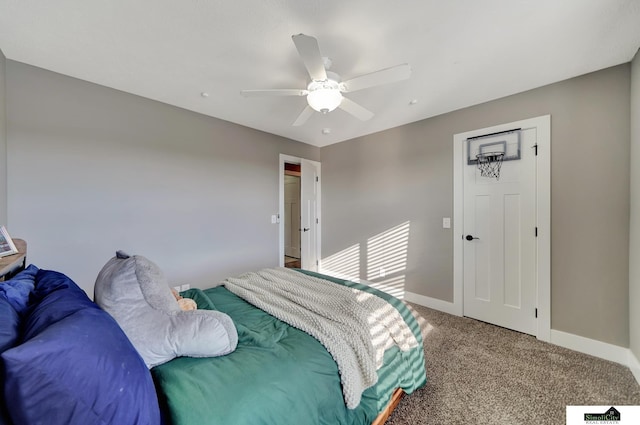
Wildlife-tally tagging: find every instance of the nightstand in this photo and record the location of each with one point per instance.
(13, 264)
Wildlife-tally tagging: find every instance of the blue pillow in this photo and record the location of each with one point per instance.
(76, 367)
(14, 298)
(18, 289)
(9, 325)
(9, 335)
(54, 297)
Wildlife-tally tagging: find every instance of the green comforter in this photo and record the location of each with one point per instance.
(278, 375)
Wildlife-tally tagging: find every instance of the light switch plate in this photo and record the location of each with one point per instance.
(446, 222)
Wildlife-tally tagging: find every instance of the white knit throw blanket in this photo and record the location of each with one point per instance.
(354, 326)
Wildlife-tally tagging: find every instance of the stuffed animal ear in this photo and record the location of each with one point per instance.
(138, 296)
(122, 255)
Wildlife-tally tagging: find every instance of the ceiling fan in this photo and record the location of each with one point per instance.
(324, 91)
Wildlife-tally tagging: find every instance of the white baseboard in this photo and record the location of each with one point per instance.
(634, 365)
(434, 303)
(592, 347)
(603, 350)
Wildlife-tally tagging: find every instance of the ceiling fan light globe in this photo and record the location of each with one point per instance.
(324, 100)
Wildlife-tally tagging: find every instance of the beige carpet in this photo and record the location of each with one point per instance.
(483, 374)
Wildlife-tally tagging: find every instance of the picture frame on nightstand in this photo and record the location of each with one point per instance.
(7, 247)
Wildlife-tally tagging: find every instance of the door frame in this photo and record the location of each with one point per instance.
(297, 160)
(543, 216)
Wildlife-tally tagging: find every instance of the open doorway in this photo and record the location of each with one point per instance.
(292, 215)
(303, 227)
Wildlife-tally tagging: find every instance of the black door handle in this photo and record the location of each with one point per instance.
(306, 229)
(470, 238)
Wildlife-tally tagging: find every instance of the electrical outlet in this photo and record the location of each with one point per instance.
(382, 272)
(184, 287)
(177, 288)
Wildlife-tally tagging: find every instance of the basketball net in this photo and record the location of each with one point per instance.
(489, 164)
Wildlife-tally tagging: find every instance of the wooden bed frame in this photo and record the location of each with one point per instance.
(393, 403)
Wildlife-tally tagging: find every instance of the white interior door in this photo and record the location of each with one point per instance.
(309, 202)
(500, 215)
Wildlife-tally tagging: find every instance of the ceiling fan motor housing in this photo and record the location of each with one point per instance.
(325, 95)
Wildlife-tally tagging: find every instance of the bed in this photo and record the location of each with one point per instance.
(291, 377)
(58, 347)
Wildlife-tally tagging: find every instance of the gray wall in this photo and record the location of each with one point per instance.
(405, 174)
(634, 231)
(93, 170)
(3, 142)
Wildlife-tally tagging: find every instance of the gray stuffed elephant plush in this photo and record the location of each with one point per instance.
(134, 291)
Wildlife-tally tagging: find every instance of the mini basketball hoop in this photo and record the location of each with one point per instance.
(489, 164)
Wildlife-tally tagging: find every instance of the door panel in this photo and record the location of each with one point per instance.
(512, 250)
(480, 253)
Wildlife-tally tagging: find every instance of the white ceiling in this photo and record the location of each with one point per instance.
(462, 52)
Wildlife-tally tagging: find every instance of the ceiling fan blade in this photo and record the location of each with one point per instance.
(304, 116)
(274, 92)
(309, 51)
(384, 76)
(356, 110)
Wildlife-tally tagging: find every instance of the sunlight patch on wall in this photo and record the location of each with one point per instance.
(387, 252)
(384, 262)
(344, 264)
(386, 258)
